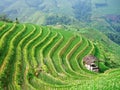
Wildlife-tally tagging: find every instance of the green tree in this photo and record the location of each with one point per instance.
(4, 17)
(17, 21)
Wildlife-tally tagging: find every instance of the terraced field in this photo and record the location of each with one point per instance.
(42, 58)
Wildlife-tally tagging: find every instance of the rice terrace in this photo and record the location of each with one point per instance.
(42, 58)
(60, 45)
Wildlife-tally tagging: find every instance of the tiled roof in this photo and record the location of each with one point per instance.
(89, 59)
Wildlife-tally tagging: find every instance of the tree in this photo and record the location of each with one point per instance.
(17, 21)
(4, 17)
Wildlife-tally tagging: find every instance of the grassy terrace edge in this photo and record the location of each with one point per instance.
(42, 58)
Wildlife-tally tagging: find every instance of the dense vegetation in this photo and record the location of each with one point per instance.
(56, 19)
(82, 10)
(5, 18)
(114, 21)
(42, 58)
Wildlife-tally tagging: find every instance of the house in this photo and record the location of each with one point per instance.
(89, 62)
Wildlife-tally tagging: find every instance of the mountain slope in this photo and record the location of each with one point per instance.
(39, 57)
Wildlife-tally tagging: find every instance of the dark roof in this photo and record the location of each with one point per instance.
(89, 59)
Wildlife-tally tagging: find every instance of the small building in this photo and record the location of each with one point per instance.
(89, 62)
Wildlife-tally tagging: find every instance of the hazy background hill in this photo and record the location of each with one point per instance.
(67, 11)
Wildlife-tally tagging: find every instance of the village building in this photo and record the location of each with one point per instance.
(89, 62)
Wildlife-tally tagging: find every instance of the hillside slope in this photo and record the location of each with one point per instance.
(42, 58)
